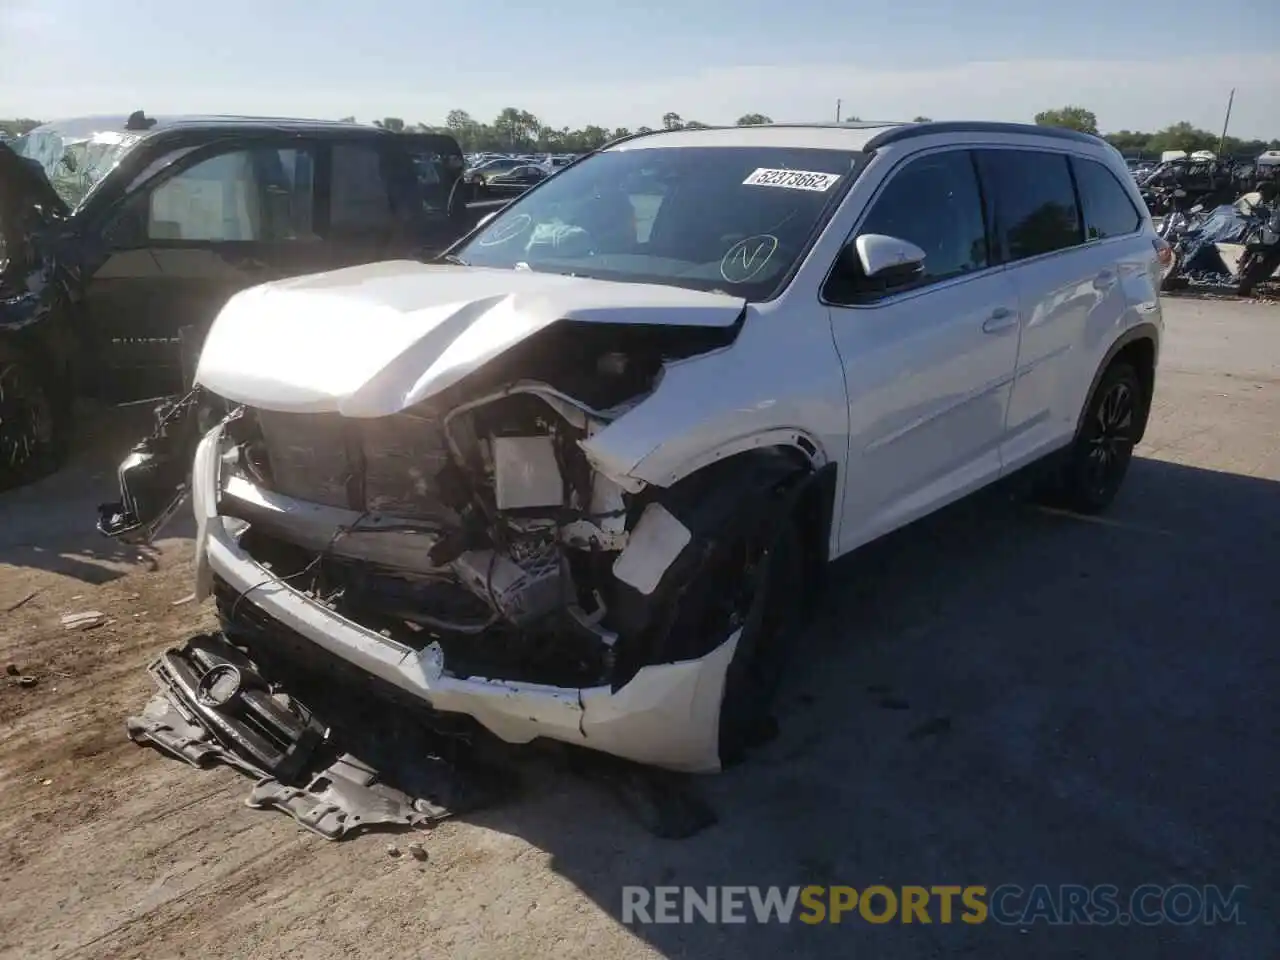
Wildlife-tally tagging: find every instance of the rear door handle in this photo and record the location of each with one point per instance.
(1001, 319)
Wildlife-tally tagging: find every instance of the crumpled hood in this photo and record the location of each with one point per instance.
(369, 341)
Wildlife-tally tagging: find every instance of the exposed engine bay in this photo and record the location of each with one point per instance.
(470, 527)
(482, 528)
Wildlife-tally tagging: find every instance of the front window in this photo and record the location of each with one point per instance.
(733, 219)
(75, 162)
(262, 194)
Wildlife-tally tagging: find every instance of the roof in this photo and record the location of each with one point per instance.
(838, 136)
(830, 136)
(86, 126)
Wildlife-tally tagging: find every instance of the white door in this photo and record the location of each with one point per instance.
(1068, 283)
(928, 369)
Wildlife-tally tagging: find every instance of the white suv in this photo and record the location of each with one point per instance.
(578, 482)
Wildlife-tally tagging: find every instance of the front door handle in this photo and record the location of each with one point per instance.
(1001, 319)
(1104, 280)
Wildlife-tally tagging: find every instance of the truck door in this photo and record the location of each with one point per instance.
(223, 218)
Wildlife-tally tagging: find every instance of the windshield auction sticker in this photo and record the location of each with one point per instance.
(792, 179)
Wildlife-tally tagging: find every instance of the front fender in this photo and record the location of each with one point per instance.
(756, 393)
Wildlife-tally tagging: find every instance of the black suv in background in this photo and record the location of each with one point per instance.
(122, 237)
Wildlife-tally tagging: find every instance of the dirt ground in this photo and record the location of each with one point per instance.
(996, 695)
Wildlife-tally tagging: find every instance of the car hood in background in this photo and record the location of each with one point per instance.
(369, 341)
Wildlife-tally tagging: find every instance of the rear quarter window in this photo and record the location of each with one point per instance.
(1033, 201)
(1108, 211)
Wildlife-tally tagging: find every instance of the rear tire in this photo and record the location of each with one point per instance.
(34, 428)
(1099, 458)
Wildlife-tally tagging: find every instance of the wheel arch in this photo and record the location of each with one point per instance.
(708, 502)
(1138, 346)
(660, 469)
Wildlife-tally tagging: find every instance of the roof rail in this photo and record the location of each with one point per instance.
(909, 130)
(630, 136)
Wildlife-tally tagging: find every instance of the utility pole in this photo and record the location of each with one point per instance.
(1222, 143)
(837, 111)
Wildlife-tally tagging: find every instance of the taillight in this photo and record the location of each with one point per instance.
(1164, 252)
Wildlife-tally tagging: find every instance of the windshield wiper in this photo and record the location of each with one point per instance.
(454, 259)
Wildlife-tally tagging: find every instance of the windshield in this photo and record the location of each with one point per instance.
(733, 219)
(75, 163)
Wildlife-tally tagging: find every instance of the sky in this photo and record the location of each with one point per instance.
(1137, 64)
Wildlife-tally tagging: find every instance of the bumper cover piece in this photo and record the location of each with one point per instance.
(343, 797)
(214, 706)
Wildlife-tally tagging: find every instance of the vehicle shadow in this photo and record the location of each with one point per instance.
(996, 695)
(49, 525)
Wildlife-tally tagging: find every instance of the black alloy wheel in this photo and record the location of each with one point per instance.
(1104, 446)
(27, 423)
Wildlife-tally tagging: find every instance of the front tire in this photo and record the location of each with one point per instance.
(764, 646)
(744, 573)
(33, 428)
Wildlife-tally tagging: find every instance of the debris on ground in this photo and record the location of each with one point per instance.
(12, 670)
(23, 602)
(27, 681)
(84, 621)
(371, 760)
(366, 763)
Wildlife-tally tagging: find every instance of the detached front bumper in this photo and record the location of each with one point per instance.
(667, 715)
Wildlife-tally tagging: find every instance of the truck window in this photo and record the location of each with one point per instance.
(215, 200)
(359, 199)
(435, 174)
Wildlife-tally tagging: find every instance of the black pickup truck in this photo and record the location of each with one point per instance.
(122, 237)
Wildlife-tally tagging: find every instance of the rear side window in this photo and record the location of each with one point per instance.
(359, 200)
(434, 172)
(1033, 199)
(1108, 211)
(934, 203)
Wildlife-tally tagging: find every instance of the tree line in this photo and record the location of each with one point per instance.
(1176, 136)
(518, 131)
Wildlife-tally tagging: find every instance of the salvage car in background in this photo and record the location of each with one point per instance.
(125, 236)
(493, 167)
(515, 181)
(579, 483)
(1230, 246)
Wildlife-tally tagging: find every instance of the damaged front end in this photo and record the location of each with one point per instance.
(466, 549)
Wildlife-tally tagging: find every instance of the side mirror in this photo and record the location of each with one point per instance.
(888, 261)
